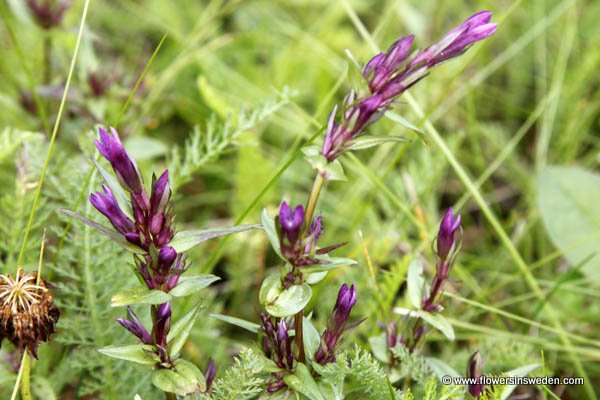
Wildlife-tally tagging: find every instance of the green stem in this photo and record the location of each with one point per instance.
(312, 201)
(170, 396)
(25, 389)
(46, 55)
(20, 376)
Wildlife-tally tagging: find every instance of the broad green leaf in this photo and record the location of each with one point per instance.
(332, 263)
(415, 282)
(439, 322)
(367, 141)
(184, 380)
(440, 368)
(269, 226)
(315, 277)
(379, 347)
(185, 240)
(181, 330)
(311, 337)
(145, 148)
(117, 190)
(521, 371)
(331, 171)
(191, 284)
(138, 353)
(139, 295)
(242, 323)
(334, 171)
(281, 302)
(106, 231)
(302, 382)
(568, 199)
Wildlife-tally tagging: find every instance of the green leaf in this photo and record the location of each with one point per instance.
(332, 263)
(405, 123)
(117, 190)
(311, 337)
(440, 368)
(181, 330)
(302, 382)
(185, 240)
(269, 226)
(281, 302)
(365, 142)
(145, 148)
(138, 353)
(184, 380)
(191, 284)
(315, 277)
(439, 322)
(521, 371)
(333, 171)
(568, 199)
(379, 347)
(106, 231)
(415, 282)
(242, 323)
(139, 295)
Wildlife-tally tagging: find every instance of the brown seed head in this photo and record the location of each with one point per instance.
(27, 311)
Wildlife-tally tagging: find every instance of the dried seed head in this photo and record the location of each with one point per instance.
(27, 311)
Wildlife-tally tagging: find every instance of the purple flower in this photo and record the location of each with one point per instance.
(125, 167)
(134, 325)
(390, 74)
(159, 201)
(48, 13)
(211, 372)
(446, 239)
(289, 225)
(474, 371)
(458, 40)
(108, 206)
(336, 324)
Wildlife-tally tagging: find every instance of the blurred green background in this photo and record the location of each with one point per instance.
(235, 89)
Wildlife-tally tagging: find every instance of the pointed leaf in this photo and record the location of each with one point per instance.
(365, 142)
(328, 264)
(269, 226)
(138, 353)
(181, 330)
(302, 382)
(139, 295)
(311, 337)
(440, 368)
(415, 282)
(185, 240)
(191, 284)
(106, 231)
(405, 123)
(290, 301)
(439, 322)
(521, 371)
(379, 347)
(242, 323)
(184, 380)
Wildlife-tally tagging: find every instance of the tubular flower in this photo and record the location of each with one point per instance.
(134, 325)
(28, 314)
(48, 13)
(336, 325)
(277, 346)
(390, 74)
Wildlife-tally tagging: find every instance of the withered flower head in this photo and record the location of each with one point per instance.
(27, 311)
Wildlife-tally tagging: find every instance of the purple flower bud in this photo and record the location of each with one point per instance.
(380, 70)
(446, 239)
(162, 324)
(134, 325)
(474, 371)
(211, 372)
(314, 232)
(159, 200)
(457, 41)
(125, 167)
(108, 206)
(289, 226)
(48, 13)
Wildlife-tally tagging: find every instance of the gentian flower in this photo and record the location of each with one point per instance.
(108, 206)
(277, 346)
(446, 239)
(336, 325)
(474, 368)
(134, 325)
(48, 13)
(390, 74)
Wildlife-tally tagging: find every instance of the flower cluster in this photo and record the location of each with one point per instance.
(277, 346)
(337, 324)
(148, 225)
(28, 314)
(390, 74)
(48, 14)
